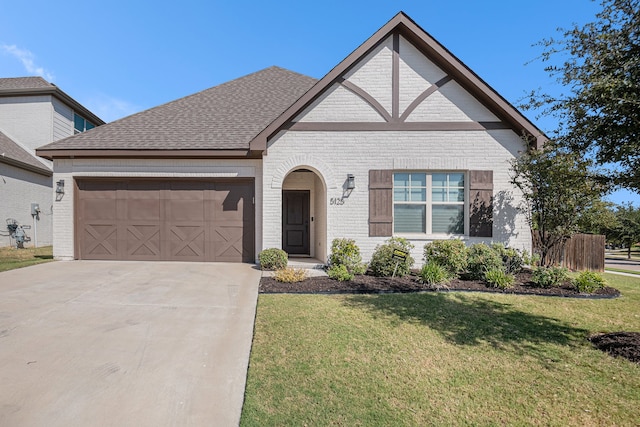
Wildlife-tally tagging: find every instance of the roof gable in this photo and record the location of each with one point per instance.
(445, 72)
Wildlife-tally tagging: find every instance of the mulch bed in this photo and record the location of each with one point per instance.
(370, 284)
(619, 344)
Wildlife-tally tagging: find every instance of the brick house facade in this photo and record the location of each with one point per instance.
(399, 139)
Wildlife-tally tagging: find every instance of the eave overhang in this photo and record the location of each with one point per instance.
(42, 171)
(182, 154)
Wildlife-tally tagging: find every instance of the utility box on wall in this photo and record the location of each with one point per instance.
(35, 209)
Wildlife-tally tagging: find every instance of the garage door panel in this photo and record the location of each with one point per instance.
(142, 241)
(228, 242)
(187, 242)
(195, 220)
(100, 240)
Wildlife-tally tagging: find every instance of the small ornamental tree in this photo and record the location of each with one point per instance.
(558, 186)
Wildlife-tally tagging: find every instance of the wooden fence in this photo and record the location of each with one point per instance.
(580, 252)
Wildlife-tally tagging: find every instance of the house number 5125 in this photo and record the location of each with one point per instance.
(337, 201)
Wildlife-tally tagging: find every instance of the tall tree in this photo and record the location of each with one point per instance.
(628, 230)
(598, 65)
(558, 187)
(599, 218)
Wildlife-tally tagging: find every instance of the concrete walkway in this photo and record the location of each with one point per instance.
(100, 343)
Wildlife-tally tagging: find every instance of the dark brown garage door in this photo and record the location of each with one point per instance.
(160, 220)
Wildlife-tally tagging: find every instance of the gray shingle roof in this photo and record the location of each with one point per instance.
(17, 83)
(224, 117)
(11, 152)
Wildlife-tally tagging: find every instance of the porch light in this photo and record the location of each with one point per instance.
(351, 182)
(60, 187)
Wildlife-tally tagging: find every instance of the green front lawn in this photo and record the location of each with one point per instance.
(441, 359)
(11, 257)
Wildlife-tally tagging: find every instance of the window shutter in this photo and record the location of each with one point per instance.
(380, 203)
(481, 203)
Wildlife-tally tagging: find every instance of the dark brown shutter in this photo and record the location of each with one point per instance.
(481, 203)
(380, 203)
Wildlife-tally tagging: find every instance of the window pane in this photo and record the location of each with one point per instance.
(400, 179)
(418, 194)
(90, 125)
(409, 218)
(401, 194)
(447, 219)
(439, 180)
(418, 180)
(439, 195)
(78, 123)
(456, 195)
(456, 179)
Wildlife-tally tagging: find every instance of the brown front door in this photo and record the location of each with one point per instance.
(163, 220)
(295, 222)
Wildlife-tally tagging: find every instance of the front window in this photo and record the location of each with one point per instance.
(428, 203)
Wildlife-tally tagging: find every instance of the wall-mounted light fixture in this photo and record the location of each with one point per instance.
(351, 182)
(60, 187)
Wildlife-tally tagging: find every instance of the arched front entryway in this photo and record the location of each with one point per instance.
(304, 214)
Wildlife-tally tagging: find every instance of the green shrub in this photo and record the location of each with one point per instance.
(382, 264)
(498, 278)
(530, 259)
(346, 252)
(512, 260)
(339, 272)
(272, 259)
(433, 273)
(482, 258)
(589, 282)
(547, 277)
(450, 254)
(290, 275)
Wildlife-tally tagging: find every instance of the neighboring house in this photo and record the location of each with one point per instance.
(33, 112)
(399, 139)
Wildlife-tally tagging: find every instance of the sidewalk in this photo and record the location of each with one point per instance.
(621, 263)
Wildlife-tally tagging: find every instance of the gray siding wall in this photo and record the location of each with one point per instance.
(19, 188)
(62, 120)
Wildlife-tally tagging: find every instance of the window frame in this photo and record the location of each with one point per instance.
(85, 122)
(429, 203)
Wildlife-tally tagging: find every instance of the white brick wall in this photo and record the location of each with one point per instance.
(19, 188)
(31, 121)
(333, 155)
(358, 152)
(68, 169)
(27, 120)
(335, 103)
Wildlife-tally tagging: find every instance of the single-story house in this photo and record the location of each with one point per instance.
(33, 112)
(399, 139)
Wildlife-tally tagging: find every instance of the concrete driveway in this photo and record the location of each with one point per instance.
(101, 343)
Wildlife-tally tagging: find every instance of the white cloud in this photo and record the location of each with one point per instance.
(27, 59)
(109, 108)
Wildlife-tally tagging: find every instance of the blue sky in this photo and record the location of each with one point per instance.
(120, 57)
